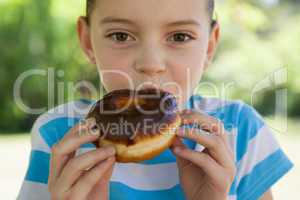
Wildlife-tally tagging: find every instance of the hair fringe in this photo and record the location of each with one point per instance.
(210, 7)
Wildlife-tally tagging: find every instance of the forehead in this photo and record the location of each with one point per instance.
(152, 11)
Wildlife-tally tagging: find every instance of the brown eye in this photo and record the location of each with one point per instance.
(120, 37)
(180, 37)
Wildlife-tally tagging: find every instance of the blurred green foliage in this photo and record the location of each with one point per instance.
(257, 38)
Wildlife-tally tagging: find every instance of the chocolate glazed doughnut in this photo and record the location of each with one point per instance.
(140, 124)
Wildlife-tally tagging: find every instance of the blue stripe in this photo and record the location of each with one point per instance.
(193, 100)
(246, 120)
(190, 103)
(87, 101)
(233, 187)
(165, 157)
(228, 114)
(263, 176)
(54, 130)
(248, 126)
(38, 169)
(121, 191)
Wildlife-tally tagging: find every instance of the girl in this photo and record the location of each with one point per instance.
(169, 44)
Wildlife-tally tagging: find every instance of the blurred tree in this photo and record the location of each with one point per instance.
(257, 38)
(37, 34)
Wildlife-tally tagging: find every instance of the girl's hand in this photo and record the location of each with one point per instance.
(208, 174)
(85, 176)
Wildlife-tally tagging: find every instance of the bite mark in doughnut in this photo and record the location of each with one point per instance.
(139, 124)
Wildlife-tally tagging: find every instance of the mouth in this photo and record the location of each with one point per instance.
(147, 86)
(151, 87)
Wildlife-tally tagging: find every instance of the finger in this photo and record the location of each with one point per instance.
(64, 150)
(213, 143)
(206, 122)
(101, 187)
(86, 183)
(80, 134)
(202, 160)
(177, 142)
(78, 165)
(56, 166)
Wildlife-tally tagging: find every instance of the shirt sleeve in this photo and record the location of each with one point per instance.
(34, 186)
(260, 160)
(48, 129)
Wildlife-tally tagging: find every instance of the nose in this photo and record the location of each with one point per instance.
(150, 61)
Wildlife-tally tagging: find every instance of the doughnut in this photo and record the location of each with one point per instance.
(140, 124)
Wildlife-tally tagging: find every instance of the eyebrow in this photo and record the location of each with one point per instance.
(108, 20)
(184, 23)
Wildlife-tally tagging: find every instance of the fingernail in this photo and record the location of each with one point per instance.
(180, 132)
(215, 128)
(177, 150)
(110, 159)
(202, 132)
(111, 150)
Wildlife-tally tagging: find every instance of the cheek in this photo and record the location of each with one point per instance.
(114, 67)
(111, 59)
(187, 67)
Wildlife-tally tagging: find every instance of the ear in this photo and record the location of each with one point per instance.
(83, 32)
(212, 44)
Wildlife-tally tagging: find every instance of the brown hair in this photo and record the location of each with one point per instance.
(210, 9)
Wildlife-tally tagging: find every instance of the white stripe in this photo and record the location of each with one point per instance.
(212, 104)
(150, 177)
(72, 109)
(38, 143)
(37, 191)
(259, 148)
(231, 197)
(142, 176)
(146, 177)
(33, 191)
(231, 140)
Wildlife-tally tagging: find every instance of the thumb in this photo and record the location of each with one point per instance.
(181, 162)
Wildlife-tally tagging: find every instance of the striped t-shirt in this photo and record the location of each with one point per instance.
(259, 160)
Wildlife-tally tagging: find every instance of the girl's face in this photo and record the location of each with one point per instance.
(150, 43)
